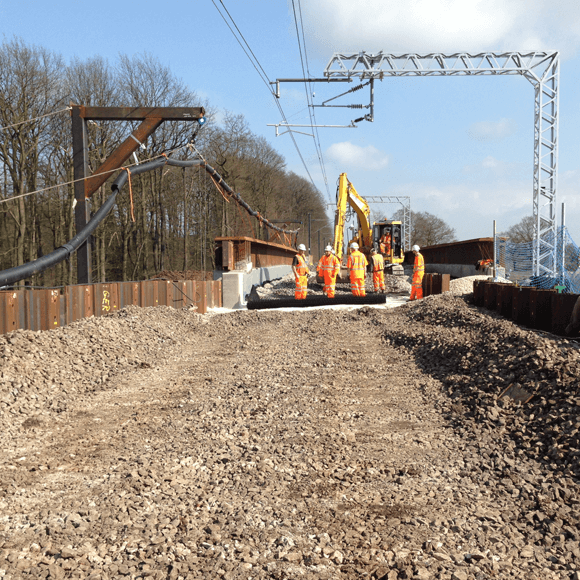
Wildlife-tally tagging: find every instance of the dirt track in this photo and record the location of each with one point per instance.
(320, 444)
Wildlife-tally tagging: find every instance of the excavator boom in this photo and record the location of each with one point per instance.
(348, 194)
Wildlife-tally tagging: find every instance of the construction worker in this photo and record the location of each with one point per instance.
(357, 264)
(385, 243)
(378, 271)
(418, 273)
(328, 267)
(300, 269)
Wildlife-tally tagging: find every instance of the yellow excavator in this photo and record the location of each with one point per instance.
(385, 236)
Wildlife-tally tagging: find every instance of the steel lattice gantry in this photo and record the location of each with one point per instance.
(542, 69)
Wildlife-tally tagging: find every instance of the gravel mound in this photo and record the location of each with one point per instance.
(372, 443)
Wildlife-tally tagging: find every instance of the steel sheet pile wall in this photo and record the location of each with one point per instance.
(46, 308)
(532, 307)
(435, 284)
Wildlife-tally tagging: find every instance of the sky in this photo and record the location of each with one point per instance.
(460, 148)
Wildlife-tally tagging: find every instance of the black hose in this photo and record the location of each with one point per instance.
(12, 275)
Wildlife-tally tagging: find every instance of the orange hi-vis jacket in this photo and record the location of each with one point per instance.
(302, 267)
(378, 263)
(357, 264)
(385, 243)
(419, 267)
(328, 265)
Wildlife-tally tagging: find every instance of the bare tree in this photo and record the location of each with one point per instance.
(30, 88)
(521, 232)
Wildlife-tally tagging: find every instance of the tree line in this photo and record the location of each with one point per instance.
(178, 212)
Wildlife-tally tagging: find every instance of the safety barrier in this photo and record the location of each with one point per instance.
(532, 307)
(517, 261)
(46, 308)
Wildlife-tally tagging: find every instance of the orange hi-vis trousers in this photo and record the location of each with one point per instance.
(329, 284)
(379, 280)
(417, 288)
(301, 287)
(357, 286)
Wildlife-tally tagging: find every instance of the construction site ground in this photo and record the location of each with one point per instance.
(349, 443)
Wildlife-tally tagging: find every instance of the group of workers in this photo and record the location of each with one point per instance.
(329, 266)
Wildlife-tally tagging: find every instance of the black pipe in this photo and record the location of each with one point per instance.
(12, 275)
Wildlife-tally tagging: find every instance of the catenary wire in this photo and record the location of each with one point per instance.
(35, 118)
(308, 91)
(265, 80)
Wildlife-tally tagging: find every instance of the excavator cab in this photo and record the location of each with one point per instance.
(388, 239)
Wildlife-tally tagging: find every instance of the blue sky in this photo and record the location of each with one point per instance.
(461, 148)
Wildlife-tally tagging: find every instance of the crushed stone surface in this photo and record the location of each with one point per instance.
(369, 443)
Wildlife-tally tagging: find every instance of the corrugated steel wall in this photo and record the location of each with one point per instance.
(46, 308)
(532, 307)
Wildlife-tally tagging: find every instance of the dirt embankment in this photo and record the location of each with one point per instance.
(157, 443)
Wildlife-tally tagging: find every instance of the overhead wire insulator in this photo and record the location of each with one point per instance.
(355, 106)
(357, 88)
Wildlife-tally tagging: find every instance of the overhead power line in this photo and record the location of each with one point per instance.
(261, 72)
(308, 90)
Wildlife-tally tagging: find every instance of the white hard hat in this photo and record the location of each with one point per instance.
(302, 247)
(354, 246)
(328, 249)
(415, 248)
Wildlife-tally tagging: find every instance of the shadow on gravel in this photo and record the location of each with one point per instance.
(477, 355)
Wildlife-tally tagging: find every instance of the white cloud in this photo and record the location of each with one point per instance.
(346, 154)
(491, 168)
(442, 25)
(492, 130)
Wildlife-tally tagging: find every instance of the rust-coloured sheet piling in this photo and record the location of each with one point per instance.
(149, 293)
(106, 298)
(506, 298)
(9, 311)
(427, 285)
(523, 305)
(79, 302)
(541, 309)
(129, 294)
(44, 308)
(562, 307)
(47, 308)
(202, 297)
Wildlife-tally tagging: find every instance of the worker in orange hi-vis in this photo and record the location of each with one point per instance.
(418, 273)
(328, 267)
(385, 244)
(300, 269)
(378, 271)
(357, 264)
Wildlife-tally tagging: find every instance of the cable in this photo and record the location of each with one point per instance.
(90, 176)
(308, 90)
(35, 118)
(263, 76)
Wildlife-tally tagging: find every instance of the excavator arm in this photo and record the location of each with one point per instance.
(348, 194)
